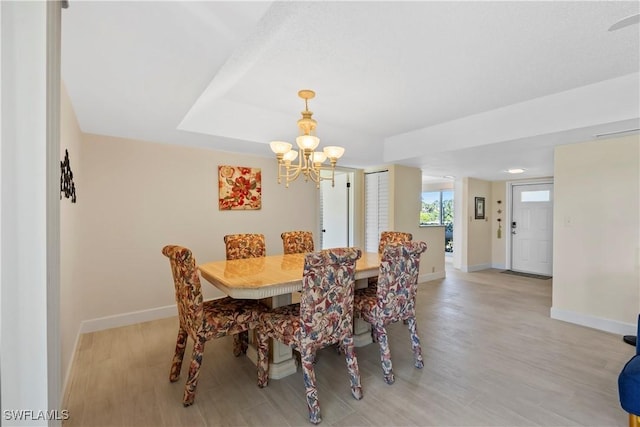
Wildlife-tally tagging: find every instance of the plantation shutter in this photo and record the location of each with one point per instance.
(376, 205)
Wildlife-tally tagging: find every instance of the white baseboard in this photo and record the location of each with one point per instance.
(477, 267)
(126, 319)
(431, 276)
(67, 374)
(499, 266)
(606, 325)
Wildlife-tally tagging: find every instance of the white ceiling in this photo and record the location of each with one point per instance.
(454, 88)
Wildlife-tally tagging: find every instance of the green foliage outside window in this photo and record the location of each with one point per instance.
(437, 208)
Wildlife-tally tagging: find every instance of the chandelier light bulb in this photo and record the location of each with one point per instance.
(308, 142)
(290, 156)
(318, 157)
(280, 147)
(334, 152)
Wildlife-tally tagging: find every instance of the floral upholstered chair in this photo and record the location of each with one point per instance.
(203, 320)
(393, 299)
(241, 246)
(387, 237)
(297, 242)
(323, 317)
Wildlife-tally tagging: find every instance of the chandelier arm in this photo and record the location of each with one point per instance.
(315, 174)
(291, 171)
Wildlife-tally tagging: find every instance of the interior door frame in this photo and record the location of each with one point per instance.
(350, 202)
(509, 213)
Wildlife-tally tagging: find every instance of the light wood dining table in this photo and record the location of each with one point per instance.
(275, 278)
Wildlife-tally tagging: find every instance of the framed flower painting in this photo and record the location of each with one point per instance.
(239, 188)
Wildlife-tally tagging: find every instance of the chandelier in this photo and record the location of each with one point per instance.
(310, 162)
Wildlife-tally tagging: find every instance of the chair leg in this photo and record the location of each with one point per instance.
(415, 343)
(634, 420)
(176, 364)
(374, 338)
(194, 373)
(352, 367)
(263, 358)
(311, 389)
(385, 354)
(240, 343)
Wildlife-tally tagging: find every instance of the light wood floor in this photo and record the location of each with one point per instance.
(493, 357)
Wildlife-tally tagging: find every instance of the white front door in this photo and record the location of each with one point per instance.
(335, 212)
(532, 228)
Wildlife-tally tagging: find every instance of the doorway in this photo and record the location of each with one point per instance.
(336, 211)
(532, 228)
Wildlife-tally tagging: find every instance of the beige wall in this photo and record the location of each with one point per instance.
(71, 294)
(498, 245)
(472, 237)
(596, 245)
(405, 194)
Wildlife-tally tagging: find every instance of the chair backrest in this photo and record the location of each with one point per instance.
(387, 237)
(187, 284)
(297, 242)
(398, 279)
(241, 246)
(326, 302)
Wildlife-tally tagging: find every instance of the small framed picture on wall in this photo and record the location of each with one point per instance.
(479, 210)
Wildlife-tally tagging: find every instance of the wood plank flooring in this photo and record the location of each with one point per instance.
(493, 357)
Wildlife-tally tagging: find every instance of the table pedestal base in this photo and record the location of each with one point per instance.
(277, 370)
(281, 361)
(361, 333)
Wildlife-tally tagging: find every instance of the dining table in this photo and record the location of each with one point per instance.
(276, 280)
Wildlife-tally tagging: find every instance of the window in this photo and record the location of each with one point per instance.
(437, 208)
(535, 196)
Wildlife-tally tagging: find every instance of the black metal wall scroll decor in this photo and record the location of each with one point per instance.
(67, 186)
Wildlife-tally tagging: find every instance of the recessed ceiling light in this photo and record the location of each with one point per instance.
(515, 170)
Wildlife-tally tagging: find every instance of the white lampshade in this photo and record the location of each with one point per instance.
(334, 152)
(280, 147)
(290, 156)
(308, 142)
(318, 157)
